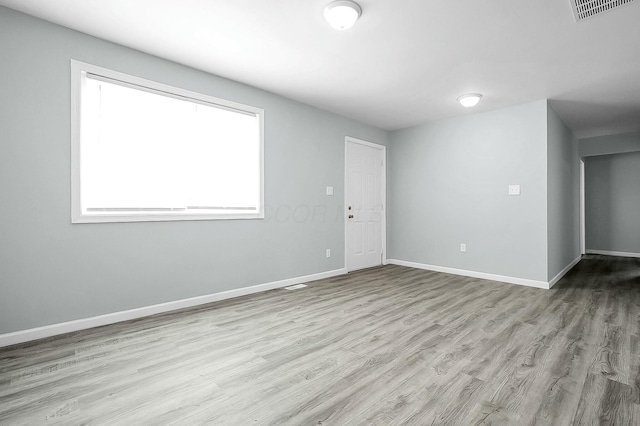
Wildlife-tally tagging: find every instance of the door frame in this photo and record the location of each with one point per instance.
(383, 149)
(583, 230)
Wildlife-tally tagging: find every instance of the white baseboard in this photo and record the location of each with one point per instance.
(82, 324)
(562, 273)
(613, 253)
(473, 274)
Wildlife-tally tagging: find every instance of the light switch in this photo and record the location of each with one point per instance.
(514, 189)
(329, 190)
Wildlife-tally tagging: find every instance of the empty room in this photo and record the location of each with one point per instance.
(320, 212)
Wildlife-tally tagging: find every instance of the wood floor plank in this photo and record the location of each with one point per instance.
(383, 346)
(487, 414)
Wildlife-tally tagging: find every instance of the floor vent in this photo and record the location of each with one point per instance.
(295, 287)
(583, 9)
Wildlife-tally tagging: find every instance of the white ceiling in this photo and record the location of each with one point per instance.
(403, 63)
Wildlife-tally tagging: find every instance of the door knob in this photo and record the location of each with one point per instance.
(350, 216)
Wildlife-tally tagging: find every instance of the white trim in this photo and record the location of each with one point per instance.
(111, 318)
(347, 140)
(582, 210)
(76, 118)
(613, 253)
(473, 274)
(562, 273)
(79, 71)
(362, 142)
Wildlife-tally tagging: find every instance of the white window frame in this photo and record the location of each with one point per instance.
(79, 71)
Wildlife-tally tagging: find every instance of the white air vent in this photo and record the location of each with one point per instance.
(295, 287)
(583, 9)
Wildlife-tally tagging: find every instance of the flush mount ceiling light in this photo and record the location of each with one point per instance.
(341, 15)
(470, 99)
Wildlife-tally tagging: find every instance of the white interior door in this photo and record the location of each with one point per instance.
(365, 204)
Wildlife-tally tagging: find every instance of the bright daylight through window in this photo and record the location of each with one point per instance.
(144, 151)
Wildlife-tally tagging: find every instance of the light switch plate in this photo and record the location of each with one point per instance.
(329, 190)
(514, 189)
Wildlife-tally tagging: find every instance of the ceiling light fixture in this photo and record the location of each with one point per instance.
(470, 99)
(341, 15)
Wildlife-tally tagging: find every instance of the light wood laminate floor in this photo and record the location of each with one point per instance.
(384, 346)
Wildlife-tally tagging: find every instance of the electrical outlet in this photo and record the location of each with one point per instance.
(328, 252)
(514, 189)
(463, 247)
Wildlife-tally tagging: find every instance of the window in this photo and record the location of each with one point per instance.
(145, 151)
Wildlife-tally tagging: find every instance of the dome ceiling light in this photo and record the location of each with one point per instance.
(470, 99)
(342, 15)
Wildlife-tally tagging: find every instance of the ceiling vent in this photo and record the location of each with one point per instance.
(583, 9)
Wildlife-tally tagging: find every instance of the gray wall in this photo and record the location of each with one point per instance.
(449, 186)
(612, 202)
(563, 195)
(611, 144)
(52, 271)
